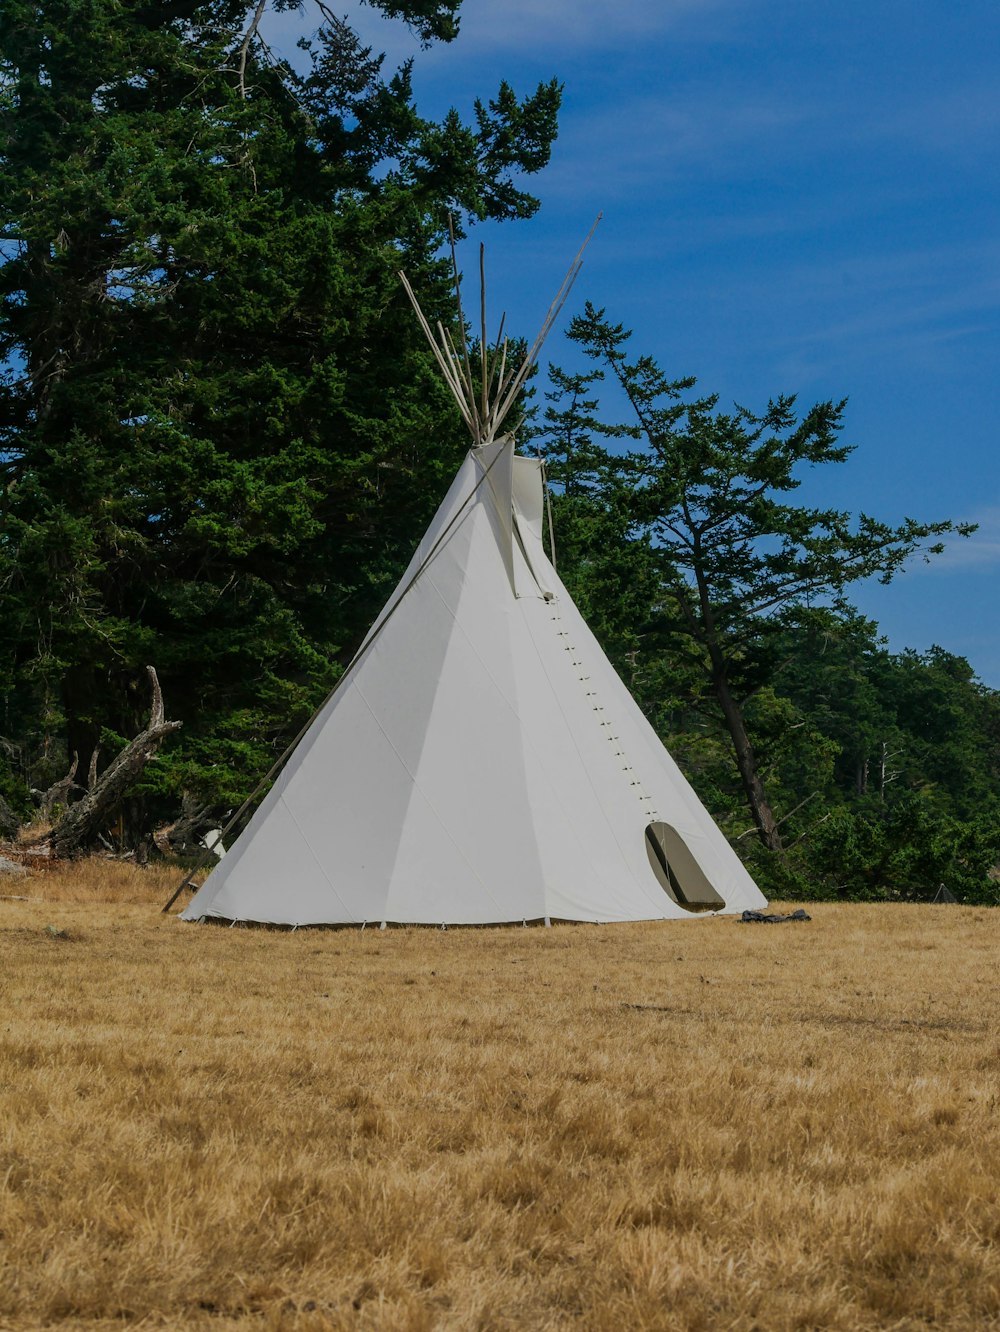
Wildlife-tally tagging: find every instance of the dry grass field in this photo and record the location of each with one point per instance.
(703, 1125)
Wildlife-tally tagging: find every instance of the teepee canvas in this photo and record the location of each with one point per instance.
(481, 761)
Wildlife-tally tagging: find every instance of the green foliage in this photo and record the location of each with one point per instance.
(706, 489)
(721, 601)
(907, 848)
(221, 436)
(220, 433)
(14, 794)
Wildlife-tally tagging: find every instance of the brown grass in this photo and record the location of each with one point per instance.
(701, 1125)
(93, 881)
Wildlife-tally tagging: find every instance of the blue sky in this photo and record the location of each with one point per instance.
(797, 197)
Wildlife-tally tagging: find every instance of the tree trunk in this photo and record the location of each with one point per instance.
(746, 761)
(60, 792)
(183, 836)
(79, 692)
(83, 821)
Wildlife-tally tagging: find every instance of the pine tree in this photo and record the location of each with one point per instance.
(701, 498)
(219, 432)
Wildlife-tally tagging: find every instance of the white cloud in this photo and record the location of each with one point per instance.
(568, 23)
(926, 307)
(638, 147)
(979, 551)
(548, 29)
(956, 121)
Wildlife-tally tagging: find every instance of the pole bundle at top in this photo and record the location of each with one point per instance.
(486, 411)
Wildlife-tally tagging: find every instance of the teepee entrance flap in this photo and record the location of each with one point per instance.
(495, 465)
(529, 517)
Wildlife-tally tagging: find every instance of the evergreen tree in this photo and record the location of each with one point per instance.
(702, 499)
(220, 434)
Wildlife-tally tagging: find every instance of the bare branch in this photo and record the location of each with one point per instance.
(59, 792)
(82, 822)
(183, 836)
(156, 708)
(248, 37)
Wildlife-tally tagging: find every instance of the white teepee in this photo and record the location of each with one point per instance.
(481, 761)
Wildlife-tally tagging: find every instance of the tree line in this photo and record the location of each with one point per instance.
(221, 436)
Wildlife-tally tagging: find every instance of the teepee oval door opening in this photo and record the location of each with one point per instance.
(677, 872)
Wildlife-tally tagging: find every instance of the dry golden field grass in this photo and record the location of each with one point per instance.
(701, 1125)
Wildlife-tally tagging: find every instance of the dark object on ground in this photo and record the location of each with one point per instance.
(943, 895)
(762, 918)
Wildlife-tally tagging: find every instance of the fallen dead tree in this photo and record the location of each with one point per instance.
(59, 793)
(185, 836)
(82, 822)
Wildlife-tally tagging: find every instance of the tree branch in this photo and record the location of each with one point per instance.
(82, 822)
(248, 37)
